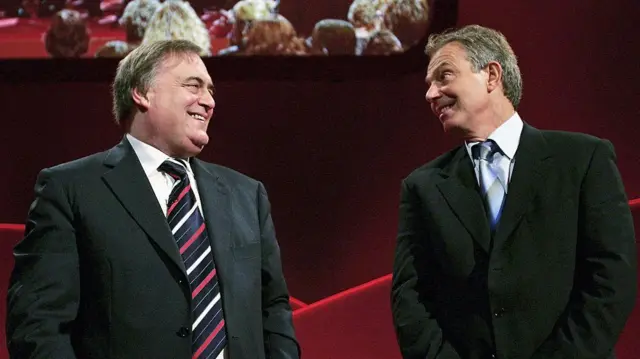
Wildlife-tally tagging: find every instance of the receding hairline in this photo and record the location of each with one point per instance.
(177, 55)
(431, 52)
(173, 58)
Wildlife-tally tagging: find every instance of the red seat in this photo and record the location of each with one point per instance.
(296, 303)
(354, 324)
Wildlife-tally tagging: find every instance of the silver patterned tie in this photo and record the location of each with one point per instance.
(493, 188)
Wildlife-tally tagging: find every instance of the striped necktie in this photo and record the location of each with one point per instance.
(493, 189)
(187, 225)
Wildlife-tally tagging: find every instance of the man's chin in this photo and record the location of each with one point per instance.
(191, 148)
(200, 141)
(449, 125)
(196, 148)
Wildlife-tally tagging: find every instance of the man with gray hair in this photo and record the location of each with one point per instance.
(517, 244)
(144, 251)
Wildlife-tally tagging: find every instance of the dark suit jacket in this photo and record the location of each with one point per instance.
(98, 274)
(556, 280)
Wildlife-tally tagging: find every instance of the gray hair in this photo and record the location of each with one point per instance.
(482, 46)
(138, 70)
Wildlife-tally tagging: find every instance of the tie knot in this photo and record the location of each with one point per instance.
(174, 168)
(484, 150)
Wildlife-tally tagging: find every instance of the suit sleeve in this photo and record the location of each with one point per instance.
(279, 336)
(605, 280)
(43, 294)
(418, 333)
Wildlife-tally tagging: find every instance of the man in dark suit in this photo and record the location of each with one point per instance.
(517, 244)
(144, 251)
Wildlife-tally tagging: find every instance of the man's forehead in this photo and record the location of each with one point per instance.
(450, 54)
(438, 63)
(187, 66)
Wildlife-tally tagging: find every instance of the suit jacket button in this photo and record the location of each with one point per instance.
(183, 332)
(499, 313)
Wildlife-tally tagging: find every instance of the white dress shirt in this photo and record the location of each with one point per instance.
(507, 137)
(151, 158)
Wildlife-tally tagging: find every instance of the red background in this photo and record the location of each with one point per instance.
(332, 154)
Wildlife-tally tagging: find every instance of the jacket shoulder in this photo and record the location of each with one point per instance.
(570, 138)
(81, 167)
(573, 145)
(230, 176)
(434, 166)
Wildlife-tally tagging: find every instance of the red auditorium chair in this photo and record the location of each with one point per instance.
(354, 324)
(296, 303)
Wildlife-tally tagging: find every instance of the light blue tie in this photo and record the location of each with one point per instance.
(493, 190)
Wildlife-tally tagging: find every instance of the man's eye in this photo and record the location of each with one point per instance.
(445, 76)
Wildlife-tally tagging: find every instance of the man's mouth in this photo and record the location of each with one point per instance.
(197, 116)
(442, 110)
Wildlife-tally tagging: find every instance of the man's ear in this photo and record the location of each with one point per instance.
(141, 100)
(494, 80)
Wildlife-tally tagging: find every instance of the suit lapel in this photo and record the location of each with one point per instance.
(216, 207)
(460, 190)
(130, 185)
(531, 161)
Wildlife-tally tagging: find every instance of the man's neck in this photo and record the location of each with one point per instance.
(495, 117)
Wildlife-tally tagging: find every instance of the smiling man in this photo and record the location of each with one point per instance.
(144, 251)
(518, 244)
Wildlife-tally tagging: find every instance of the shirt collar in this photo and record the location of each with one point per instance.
(507, 136)
(150, 157)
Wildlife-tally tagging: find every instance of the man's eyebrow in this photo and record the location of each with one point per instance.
(436, 69)
(195, 78)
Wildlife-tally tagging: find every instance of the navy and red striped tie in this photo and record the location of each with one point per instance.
(188, 228)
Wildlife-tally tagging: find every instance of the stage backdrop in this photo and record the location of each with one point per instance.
(332, 154)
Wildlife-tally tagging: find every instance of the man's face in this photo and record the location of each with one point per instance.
(457, 95)
(179, 106)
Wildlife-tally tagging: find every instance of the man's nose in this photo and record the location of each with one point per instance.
(207, 100)
(433, 92)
